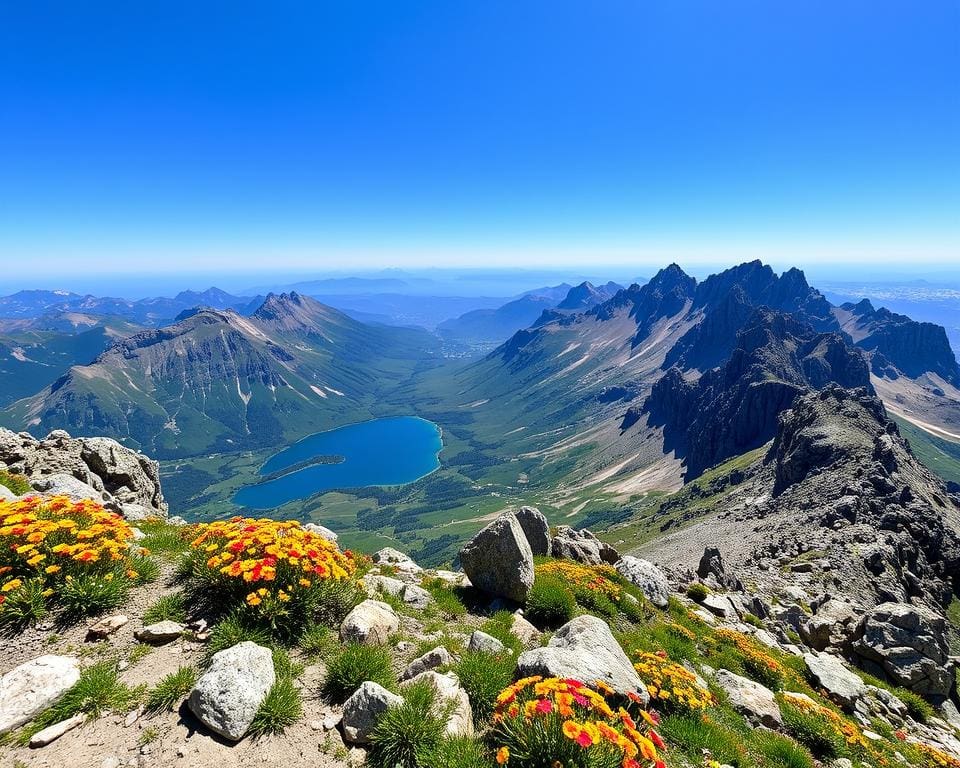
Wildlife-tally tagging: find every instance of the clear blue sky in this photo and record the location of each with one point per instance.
(206, 135)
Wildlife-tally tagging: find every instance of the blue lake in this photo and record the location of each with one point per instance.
(390, 451)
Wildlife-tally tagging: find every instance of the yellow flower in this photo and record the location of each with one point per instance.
(12, 585)
(52, 569)
(503, 754)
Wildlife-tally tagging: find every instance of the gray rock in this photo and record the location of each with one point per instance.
(645, 575)
(65, 485)
(387, 585)
(841, 685)
(53, 732)
(106, 626)
(481, 641)
(581, 546)
(720, 605)
(454, 578)
(7, 495)
(535, 528)
(450, 699)
(321, 531)
(162, 632)
(584, 649)
(438, 657)
(30, 688)
(524, 631)
(750, 699)
(370, 623)
(227, 696)
(908, 642)
(396, 558)
(415, 596)
(363, 710)
(498, 559)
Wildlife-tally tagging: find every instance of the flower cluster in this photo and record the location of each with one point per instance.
(56, 540)
(934, 758)
(671, 684)
(596, 578)
(758, 664)
(270, 566)
(850, 733)
(552, 721)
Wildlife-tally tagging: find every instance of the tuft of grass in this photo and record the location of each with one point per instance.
(550, 603)
(171, 690)
(408, 733)
(167, 608)
(98, 690)
(780, 751)
(697, 591)
(165, 540)
(23, 607)
(694, 736)
(319, 641)
(93, 593)
(813, 731)
(147, 568)
(483, 676)
(354, 665)
(17, 484)
(458, 752)
(230, 631)
(446, 597)
(139, 651)
(280, 709)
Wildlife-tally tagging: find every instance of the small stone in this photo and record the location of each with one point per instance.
(110, 762)
(481, 641)
(106, 626)
(438, 657)
(160, 633)
(132, 717)
(55, 731)
(363, 710)
(316, 725)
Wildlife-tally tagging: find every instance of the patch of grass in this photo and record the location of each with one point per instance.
(139, 651)
(813, 731)
(147, 569)
(458, 752)
(500, 626)
(148, 736)
(780, 751)
(319, 641)
(23, 607)
(230, 631)
(698, 592)
(17, 484)
(167, 608)
(447, 598)
(280, 709)
(409, 733)
(354, 665)
(93, 593)
(165, 540)
(550, 603)
(171, 690)
(483, 676)
(694, 735)
(98, 690)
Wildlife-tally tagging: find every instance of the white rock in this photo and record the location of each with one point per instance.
(370, 623)
(438, 657)
(750, 699)
(162, 632)
(481, 641)
(322, 531)
(227, 696)
(363, 710)
(55, 731)
(645, 575)
(30, 688)
(450, 697)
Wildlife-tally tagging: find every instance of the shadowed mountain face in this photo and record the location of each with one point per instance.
(218, 381)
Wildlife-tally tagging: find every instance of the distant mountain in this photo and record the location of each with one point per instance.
(586, 295)
(495, 325)
(218, 381)
(152, 311)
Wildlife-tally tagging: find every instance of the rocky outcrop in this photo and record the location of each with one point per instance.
(29, 689)
(363, 710)
(535, 528)
(908, 644)
(829, 673)
(645, 575)
(227, 696)
(86, 467)
(499, 560)
(584, 649)
(581, 546)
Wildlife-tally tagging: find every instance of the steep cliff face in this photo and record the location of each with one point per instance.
(899, 345)
(734, 408)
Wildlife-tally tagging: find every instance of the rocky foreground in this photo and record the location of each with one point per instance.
(810, 630)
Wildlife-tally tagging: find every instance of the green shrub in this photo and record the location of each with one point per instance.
(354, 665)
(23, 606)
(93, 593)
(165, 540)
(483, 676)
(550, 603)
(18, 484)
(167, 608)
(171, 690)
(697, 591)
(695, 736)
(409, 733)
(280, 709)
(458, 752)
(812, 730)
(780, 751)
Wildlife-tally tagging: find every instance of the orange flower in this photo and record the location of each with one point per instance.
(503, 754)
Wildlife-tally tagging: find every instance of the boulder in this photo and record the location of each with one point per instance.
(62, 484)
(363, 710)
(645, 575)
(908, 643)
(535, 528)
(162, 632)
(454, 578)
(584, 649)
(498, 559)
(30, 688)
(394, 557)
(370, 623)
(227, 696)
(387, 585)
(582, 547)
(750, 699)
(720, 605)
(451, 699)
(829, 673)
(438, 657)
(321, 531)
(481, 641)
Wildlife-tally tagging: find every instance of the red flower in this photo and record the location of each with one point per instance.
(655, 738)
(584, 739)
(544, 706)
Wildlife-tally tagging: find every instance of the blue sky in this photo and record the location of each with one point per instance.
(319, 135)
